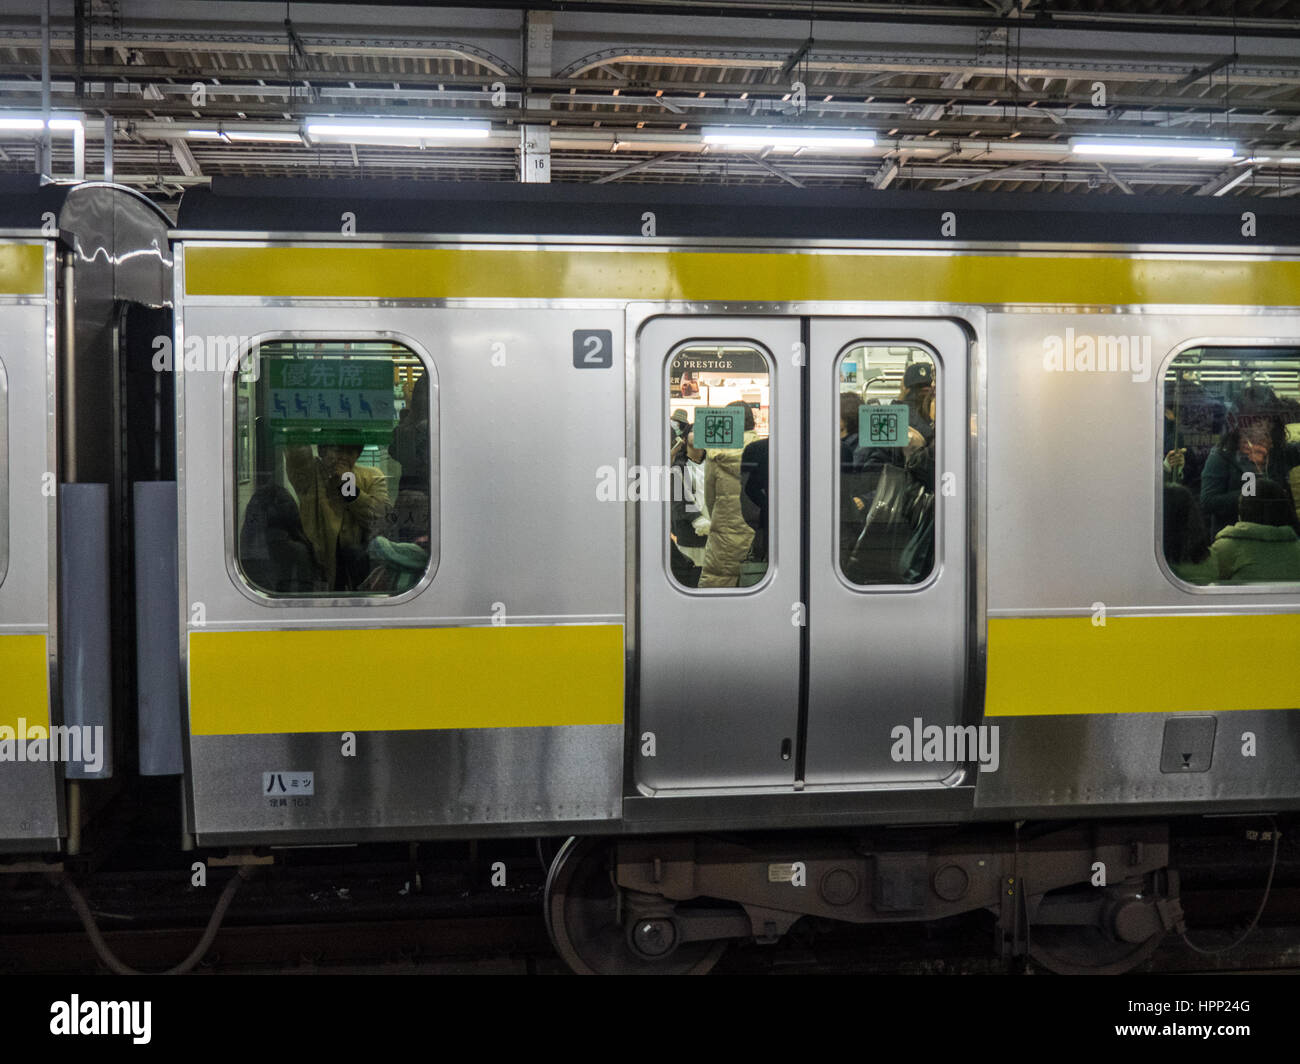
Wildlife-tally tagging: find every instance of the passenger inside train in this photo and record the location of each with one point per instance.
(888, 402)
(1232, 465)
(324, 429)
(721, 401)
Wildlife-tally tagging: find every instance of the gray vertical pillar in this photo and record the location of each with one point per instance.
(85, 664)
(158, 630)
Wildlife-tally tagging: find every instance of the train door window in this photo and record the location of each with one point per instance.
(1230, 460)
(716, 481)
(333, 478)
(886, 449)
(4, 473)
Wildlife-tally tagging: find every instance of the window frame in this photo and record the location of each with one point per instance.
(1165, 365)
(940, 440)
(230, 470)
(662, 451)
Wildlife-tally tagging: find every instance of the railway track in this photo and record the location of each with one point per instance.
(496, 934)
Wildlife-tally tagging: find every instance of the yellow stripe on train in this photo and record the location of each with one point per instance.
(25, 668)
(405, 679)
(615, 273)
(22, 269)
(1044, 666)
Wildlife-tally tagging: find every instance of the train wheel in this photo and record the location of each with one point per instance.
(1126, 932)
(582, 917)
(1087, 951)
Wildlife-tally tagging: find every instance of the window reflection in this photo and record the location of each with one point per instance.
(720, 402)
(332, 469)
(1231, 464)
(886, 434)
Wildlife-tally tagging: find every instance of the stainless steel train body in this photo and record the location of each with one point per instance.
(547, 675)
(518, 653)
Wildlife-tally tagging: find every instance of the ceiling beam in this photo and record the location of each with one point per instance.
(884, 13)
(185, 159)
(1115, 179)
(1206, 71)
(636, 168)
(1001, 172)
(775, 171)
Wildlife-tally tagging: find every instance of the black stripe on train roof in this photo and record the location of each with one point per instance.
(262, 205)
(24, 201)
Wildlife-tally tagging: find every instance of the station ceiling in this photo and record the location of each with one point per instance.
(976, 94)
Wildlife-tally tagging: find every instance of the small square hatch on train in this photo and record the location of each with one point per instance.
(1188, 745)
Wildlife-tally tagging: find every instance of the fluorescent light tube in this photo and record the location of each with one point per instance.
(33, 124)
(1136, 148)
(348, 128)
(741, 136)
(260, 135)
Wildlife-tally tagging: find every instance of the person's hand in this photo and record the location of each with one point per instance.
(1176, 459)
(915, 440)
(859, 503)
(1257, 453)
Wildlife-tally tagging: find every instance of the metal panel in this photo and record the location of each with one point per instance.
(1074, 524)
(719, 668)
(158, 683)
(1091, 762)
(31, 810)
(86, 680)
(884, 656)
(1074, 466)
(406, 782)
(520, 439)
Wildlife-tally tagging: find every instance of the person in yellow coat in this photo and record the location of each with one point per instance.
(343, 505)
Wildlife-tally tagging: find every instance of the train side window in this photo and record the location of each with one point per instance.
(886, 448)
(333, 479)
(1230, 461)
(4, 473)
(719, 398)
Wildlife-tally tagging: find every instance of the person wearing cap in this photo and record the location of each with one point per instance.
(342, 506)
(918, 390)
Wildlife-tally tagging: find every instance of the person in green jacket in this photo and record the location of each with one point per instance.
(1263, 546)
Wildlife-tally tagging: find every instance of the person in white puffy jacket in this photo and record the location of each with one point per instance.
(729, 534)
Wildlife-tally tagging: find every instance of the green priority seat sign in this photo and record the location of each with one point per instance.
(719, 428)
(330, 400)
(882, 426)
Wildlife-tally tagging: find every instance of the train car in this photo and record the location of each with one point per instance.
(939, 636)
(75, 263)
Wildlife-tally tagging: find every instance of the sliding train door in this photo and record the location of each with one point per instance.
(802, 529)
(890, 606)
(718, 641)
